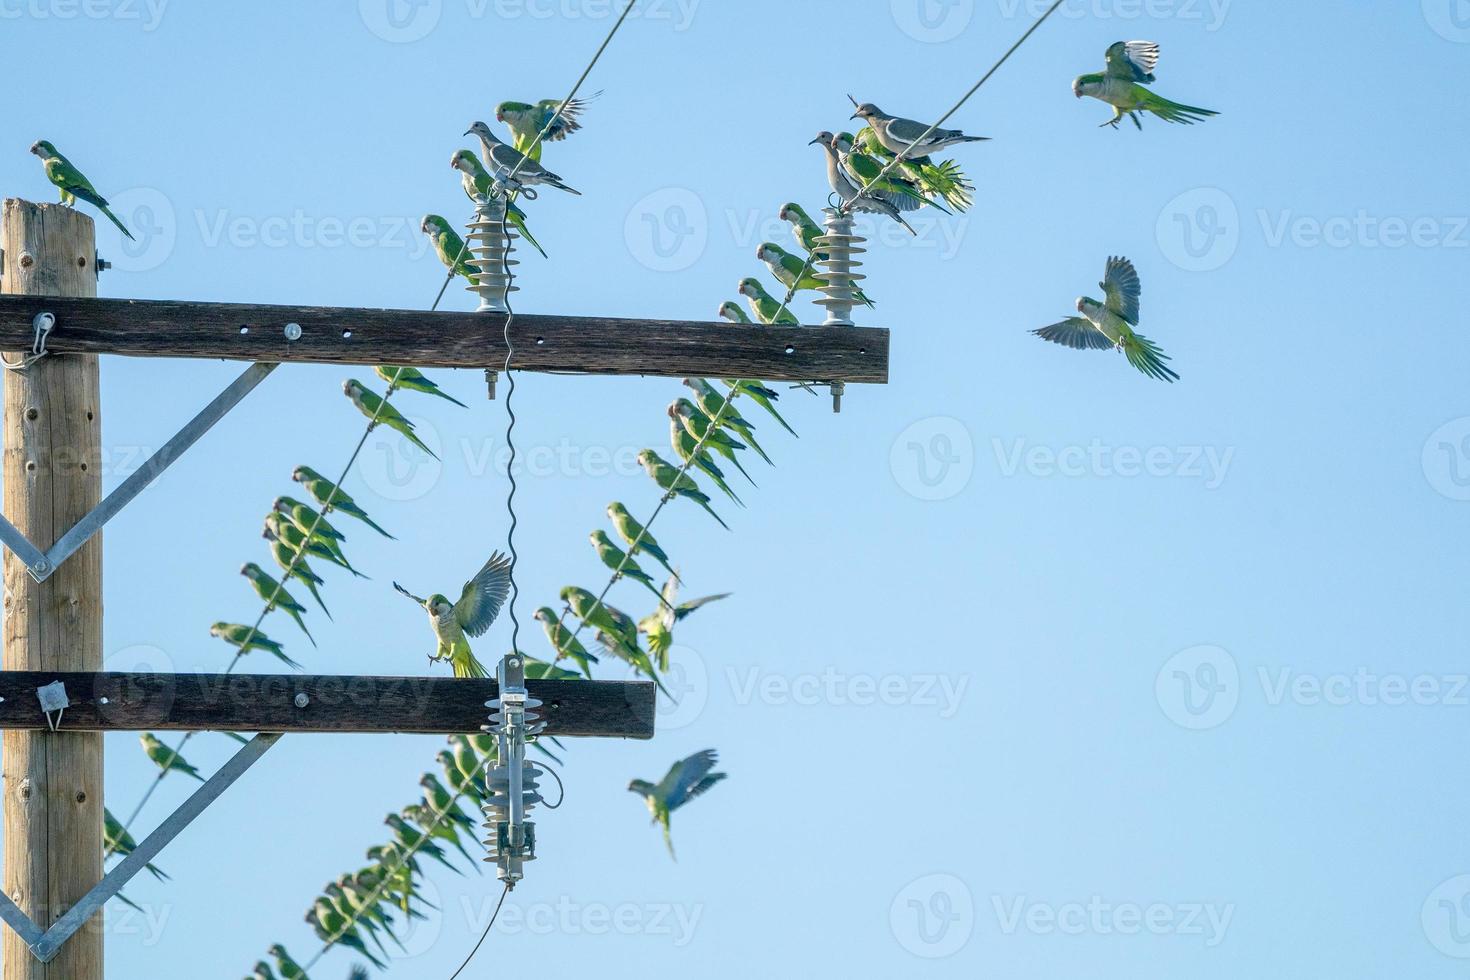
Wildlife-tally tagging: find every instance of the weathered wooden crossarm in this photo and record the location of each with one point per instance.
(334, 335)
(112, 701)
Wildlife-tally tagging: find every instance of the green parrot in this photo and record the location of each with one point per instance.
(527, 119)
(479, 603)
(295, 566)
(564, 641)
(803, 228)
(262, 971)
(892, 187)
(636, 537)
(284, 963)
(445, 830)
(764, 397)
(1109, 325)
(274, 595)
(697, 425)
(944, 179)
(448, 246)
(540, 670)
(380, 412)
(765, 306)
(412, 379)
(166, 758)
(247, 639)
(731, 311)
(119, 841)
(658, 625)
(353, 912)
(478, 184)
(332, 497)
(617, 633)
(333, 927)
(1130, 67)
(785, 267)
(308, 521)
(685, 445)
(711, 401)
(620, 563)
(685, 780)
(277, 528)
(676, 484)
(72, 184)
(440, 800)
(410, 837)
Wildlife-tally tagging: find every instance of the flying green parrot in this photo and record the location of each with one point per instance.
(448, 246)
(478, 185)
(620, 563)
(332, 497)
(274, 595)
(526, 120)
(247, 639)
(686, 779)
(1109, 325)
(379, 412)
(658, 625)
(697, 425)
(479, 603)
(505, 158)
(1130, 67)
(689, 452)
(803, 229)
(636, 536)
(905, 136)
(412, 379)
(72, 184)
(284, 963)
(867, 171)
(295, 566)
(944, 179)
(277, 528)
(564, 641)
(676, 484)
(166, 758)
(765, 306)
(119, 841)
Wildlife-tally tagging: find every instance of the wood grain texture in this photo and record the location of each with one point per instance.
(591, 345)
(110, 701)
(52, 473)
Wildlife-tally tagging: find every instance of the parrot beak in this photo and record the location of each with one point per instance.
(36, 148)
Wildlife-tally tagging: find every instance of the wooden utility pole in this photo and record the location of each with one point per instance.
(53, 781)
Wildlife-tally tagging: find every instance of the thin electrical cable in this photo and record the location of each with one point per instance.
(488, 926)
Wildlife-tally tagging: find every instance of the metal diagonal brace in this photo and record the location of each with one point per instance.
(45, 946)
(41, 566)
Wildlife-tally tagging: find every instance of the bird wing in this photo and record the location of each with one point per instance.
(684, 775)
(1122, 287)
(700, 787)
(1133, 60)
(685, 608)
(906, 130)
(483, 595)
(402, 591)
(1076, 333)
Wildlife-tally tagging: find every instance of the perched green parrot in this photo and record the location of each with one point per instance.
(540, 670)
(247, 639)
(697, 425)
(332, 497)
(478, 184)
(905, 136)
(413, 839)
(867, 171)
(803, 228)
(944, 179)
(119, 841)
(688, 451)
(526, 120)
(730, 310)
(295, 566)
(1109, 325)
(564, 641)
(445, 830)
(338, 897)
(686, 779)
(765, 306)
(278, 528)
(764, 397)
(412, 379)
(72, 184)
(479, 603)
(308, 521)
(331, 926)
(1130, 67)
(711, 401)
(284, 963)
(274, 595)
(448, 246)
(440, 800)
(166, 758)
(620, 563)
(636, 536)
(262, 971)
(617, 633)
(658, 625)
(786, 267)
(458, 781)
(676, 484)
(379, 412)
(505, 158)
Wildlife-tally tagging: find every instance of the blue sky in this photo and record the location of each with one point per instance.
(1034, 668)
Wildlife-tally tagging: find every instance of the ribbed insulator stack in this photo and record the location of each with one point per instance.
(840, 244)
(511, 782)
(489, 245)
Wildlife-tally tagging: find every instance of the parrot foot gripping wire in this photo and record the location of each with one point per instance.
(43, 323)
(840, 291)
(489, 243)
(511, 782)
